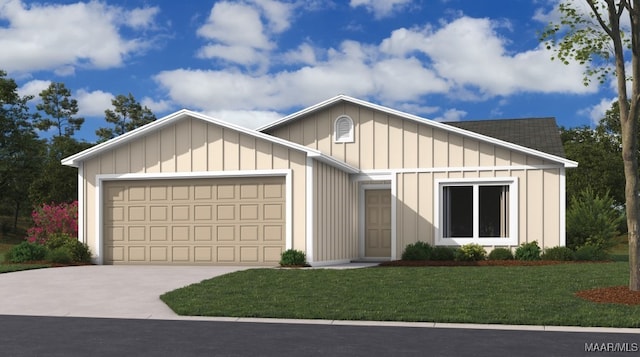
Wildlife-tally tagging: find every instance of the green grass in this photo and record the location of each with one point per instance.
(534, 295)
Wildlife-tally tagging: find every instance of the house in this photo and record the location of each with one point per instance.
(341, 180)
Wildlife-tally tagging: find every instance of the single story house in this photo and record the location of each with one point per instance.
(342, 180)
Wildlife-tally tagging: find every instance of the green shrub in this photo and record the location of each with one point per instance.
(417, 251)
(528, 251)
(592, 219)
(292, 257)
(26, 252)
(500, 254)
(558, 253)
(591, 252)
(442, 253)
(471, 252)
(78, 252)
(60, 255)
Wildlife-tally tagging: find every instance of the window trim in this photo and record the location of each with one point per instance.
(348, 137)
(440, 184)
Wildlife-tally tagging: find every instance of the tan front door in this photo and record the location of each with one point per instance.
(377, 223)
(194, 221)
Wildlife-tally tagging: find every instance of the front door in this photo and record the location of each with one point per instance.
(377, 223)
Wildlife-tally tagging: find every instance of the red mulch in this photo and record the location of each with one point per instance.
(611, 295)
(608, 295)
(450, 263)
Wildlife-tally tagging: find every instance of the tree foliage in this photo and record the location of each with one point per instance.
(600, 162)
(127, 114)
(59, 111)
(20, 149)
(604, 35)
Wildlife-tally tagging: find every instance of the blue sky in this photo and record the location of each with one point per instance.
(252, 61)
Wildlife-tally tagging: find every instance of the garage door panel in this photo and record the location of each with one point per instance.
(202, 221)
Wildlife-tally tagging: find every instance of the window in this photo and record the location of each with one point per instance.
(472, 211)
(343, 129)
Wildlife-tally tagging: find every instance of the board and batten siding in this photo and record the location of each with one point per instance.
(538, 201)
(193, 145)
(383, 141)
(335, 214)
(420, 153)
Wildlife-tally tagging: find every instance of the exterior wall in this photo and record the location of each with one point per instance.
(192, 145)
(383, 142)
(335, 215)
(539, 202)
(415, 155)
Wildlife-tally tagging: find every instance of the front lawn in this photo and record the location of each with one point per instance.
(532, 295)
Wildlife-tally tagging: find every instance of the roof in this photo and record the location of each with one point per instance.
(74, 160)
(540, 134)
(515, 142)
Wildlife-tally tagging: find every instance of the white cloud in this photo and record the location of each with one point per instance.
(452, 115)
(380, 8)
(239, 32)
(156, 106)
(33, 88)
(93, 103)
(60, 37)
(598, 111)
(235, 24)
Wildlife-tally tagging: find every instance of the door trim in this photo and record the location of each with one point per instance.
(361, 218)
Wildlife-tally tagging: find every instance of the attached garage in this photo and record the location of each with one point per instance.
(194, 221)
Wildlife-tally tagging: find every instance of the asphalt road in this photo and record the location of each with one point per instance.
(74, 336)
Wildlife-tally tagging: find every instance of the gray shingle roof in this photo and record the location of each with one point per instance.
(540, 134)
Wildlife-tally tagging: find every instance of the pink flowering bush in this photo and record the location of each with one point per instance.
(53, 219)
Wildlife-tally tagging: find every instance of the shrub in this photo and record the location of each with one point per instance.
(592, 219)
(442, 253)
(50, 219)
(500, 254)
(471, 252)
(60, 255)
(528, 251)
(80, 252)
(417, 251)
(292, 257)
(558, 253)
(591, 252)
(26, 252)
(77, 251)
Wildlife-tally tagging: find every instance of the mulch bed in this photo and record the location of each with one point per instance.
(607, 295)
(451, 263)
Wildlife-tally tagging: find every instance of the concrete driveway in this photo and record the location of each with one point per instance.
(99, 290)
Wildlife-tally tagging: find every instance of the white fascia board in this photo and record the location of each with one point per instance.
(566, 162)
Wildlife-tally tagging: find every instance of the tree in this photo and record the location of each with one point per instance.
(601, 168)
(596, 38)
(20, 149)
(57, 183)
(127, 115)
(60, 110)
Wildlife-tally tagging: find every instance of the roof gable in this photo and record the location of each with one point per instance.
(74, 160)
(555, 154)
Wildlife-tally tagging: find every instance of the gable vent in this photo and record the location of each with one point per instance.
(343, 129)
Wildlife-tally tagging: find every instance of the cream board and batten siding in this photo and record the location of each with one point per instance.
(413, 155)
(192, 148)
(335, 217)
